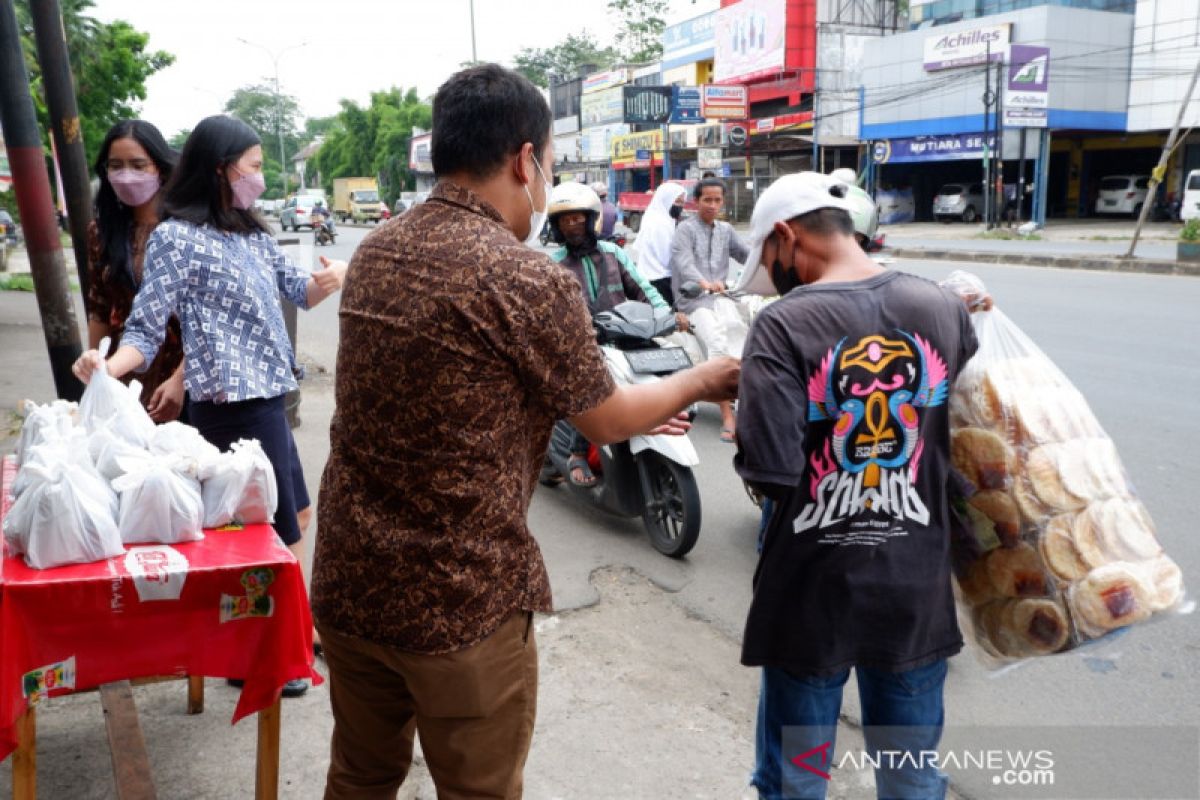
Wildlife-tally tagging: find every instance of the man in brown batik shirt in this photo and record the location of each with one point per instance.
(460, 347)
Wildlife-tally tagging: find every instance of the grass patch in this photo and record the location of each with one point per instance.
(1006, 234)
(16, 283)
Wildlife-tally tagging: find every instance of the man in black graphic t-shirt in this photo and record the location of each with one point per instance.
(844, 424)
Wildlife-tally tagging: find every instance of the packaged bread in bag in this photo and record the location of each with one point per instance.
(1062, 550)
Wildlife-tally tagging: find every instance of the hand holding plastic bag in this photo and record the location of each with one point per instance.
(239, 486)
(66, 516)
(158, 504)
(107, 402)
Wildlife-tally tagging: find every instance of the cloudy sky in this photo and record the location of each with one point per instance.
(349, 48)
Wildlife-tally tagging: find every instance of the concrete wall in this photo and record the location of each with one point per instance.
(1089, 75)
(1166, 48)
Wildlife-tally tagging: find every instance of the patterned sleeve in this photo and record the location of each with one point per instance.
(99, 294)
(291, 280)
(166, 264)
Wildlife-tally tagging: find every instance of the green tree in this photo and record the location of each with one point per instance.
(641, 24)
(110, 61)
(563, 59)
(373, 141)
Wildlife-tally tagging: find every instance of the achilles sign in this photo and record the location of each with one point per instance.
(971, 46)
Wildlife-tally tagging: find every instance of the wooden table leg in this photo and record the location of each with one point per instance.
(266, 774)
(195, 703)
(126, 744)
(24, 763)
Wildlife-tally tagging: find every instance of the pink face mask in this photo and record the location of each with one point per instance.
(133, 187)
(247, 188)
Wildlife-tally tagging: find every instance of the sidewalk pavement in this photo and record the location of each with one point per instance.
(638, 698)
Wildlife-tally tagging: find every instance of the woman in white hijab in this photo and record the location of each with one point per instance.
(655, 235)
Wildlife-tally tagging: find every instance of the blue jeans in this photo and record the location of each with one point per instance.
(902, 711)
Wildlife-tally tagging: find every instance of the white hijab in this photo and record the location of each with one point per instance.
(657, 231)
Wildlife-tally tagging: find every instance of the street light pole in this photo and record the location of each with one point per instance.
(278, 108)
(474, 58)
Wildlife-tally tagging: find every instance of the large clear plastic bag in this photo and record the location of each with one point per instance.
(184, 446)
(239, 486)
(1061, 550)
(108, 403)
(71, 446)
(67, 515)
(43, 423)
(111, 451)
(158, 503)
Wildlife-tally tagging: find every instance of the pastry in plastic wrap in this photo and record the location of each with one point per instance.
(1063, 551)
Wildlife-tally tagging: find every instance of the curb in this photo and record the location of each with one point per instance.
(1089, 262)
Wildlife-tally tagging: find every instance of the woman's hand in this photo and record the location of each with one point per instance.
(331, 276)
(87, 364)
(167, 400)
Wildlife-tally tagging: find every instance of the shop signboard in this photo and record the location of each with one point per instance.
(599, 81)
(647, 105)
(709, 158)
(951, 147)
(625, 148)
(686, 105)
(724, 102)
(971, 46)
(566, 125)
(602, 108)
(737, 135)
(596, 141)
(690, 41)
(1028, 83)
(750, 39)
(1025, 118)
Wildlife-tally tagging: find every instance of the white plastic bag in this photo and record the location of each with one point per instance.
(71, 447)
(114, 449)
(184, 446)
(66, 516)
(239, 486)
(109, 403)
(1062, 550)
(158, 504)
(43, 423)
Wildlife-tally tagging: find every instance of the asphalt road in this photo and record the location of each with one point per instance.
(1129, 344)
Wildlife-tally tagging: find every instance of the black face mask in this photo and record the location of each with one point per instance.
(676, 212)
(784, 279)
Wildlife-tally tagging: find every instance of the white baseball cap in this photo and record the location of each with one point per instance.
(787, 198)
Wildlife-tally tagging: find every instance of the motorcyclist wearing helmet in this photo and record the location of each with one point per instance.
(610, 215)
(863, 210)
(605, 273)
(320, 216)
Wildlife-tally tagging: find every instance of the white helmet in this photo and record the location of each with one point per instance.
(863, 210)
(572, 196)
(601, 189)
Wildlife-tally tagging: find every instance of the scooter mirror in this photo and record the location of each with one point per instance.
(691, 290)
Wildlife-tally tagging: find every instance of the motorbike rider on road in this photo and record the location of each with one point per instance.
(320, 216)
(607, 276)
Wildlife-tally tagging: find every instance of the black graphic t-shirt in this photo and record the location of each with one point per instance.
(843, 419)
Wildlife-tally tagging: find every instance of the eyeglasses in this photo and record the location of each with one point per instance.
(137, 164)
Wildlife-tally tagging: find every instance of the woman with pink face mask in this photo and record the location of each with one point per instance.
(133, 164)
(214, 263)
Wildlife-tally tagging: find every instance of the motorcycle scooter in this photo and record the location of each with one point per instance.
(322, 233)
(648, 476)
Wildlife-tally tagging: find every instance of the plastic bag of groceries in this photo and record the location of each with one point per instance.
(67, 515)
(1063, 550)
(109, 403)
(109, 449)
(158, 503)
(44, 422)
(239, 486)
(70, 447)
(184, 445)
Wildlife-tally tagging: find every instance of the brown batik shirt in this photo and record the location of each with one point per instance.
(109, 301)
(459, 349)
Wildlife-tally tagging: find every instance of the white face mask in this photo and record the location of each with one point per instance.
(537, 219)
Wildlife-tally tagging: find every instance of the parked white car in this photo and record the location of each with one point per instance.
(958, 201)
(1122, 194)
(1189, 208)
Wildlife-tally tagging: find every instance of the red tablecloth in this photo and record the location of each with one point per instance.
(232, 605)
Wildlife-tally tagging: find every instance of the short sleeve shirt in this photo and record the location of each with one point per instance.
(459, 349)
(843, 403)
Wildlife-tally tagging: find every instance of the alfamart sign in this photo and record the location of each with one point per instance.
(971, 46)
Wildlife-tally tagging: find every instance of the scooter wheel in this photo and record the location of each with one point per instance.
(672, 515)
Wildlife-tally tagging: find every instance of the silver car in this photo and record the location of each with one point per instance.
(958, 201)
(296, 211)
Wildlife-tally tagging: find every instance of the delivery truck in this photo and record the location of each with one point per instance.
(356, 199)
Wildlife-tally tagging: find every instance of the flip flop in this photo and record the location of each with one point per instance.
(580, 463)
(727, 436)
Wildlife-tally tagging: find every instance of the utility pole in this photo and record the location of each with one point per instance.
(1021, 180)
(32, 187)
(1161, 170)
(998, 189)
(474, 58)
(988, 98)
(283, 169)
(64, 119)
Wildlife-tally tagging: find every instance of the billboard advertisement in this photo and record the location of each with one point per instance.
(602, 108)
(724, 102)
(1028, 83)
(690, 41)
(686, 105)
(750, 40)
(599, 81)
(950, 147)
(648, 105)
(971, 46)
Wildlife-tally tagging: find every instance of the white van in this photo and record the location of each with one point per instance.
(1190, 207)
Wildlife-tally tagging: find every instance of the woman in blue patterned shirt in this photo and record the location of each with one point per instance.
(214, 264)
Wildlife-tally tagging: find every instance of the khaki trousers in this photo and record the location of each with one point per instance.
(474, 710)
